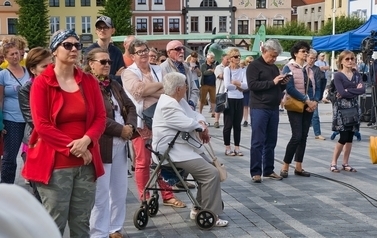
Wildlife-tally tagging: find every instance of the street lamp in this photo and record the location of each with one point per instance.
(333, 32)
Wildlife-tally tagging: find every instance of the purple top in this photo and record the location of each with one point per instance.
(342, 83)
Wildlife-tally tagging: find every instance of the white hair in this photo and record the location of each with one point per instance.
(274, 45)
(210, 55)
(312, 52)
(172, 81)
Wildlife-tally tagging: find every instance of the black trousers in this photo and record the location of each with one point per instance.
(232, 119)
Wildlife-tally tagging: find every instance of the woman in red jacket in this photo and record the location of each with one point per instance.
(69, 117)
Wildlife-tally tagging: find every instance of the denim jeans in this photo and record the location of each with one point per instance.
(300, 123)
(316, 123)
(264, 134)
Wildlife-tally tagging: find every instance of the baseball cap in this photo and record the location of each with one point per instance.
(105, 19)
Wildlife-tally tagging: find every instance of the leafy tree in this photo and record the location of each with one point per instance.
(120, 12)
(33, 22)
(342, 24)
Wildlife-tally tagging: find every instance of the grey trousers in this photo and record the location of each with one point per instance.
(69, 196)
(208, 178)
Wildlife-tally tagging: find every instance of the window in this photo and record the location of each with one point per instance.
(194, 24)
(85, 3)
(278, 23)
(141, 25)
(306, 11)
(294, 10)
(319, 9)
(258, 23)
(243, 27)
(174, 25)
(70, 23)
(7, 4)
(69, 3)
(158, 25)
(261, 3)
(316, 26)
(310, 25)
(12, 23)
(85, 21)
(141, 2)
(158, 2)
(208, 3)
(99, 3)
(312, 10)
(222, 24)
(54, 3)
(340, 3)
(54, 24)
(208, 24)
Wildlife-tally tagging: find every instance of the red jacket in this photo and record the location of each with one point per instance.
(46, 100)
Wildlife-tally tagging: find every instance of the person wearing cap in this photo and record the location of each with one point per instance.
(104, 30)
(69, 118)
(324, 66)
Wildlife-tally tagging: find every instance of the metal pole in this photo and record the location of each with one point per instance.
(333, 32)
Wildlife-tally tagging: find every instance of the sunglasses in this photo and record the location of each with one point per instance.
(103, 62)
(236, 56)
(179, 48)
(304, 51)
(69, 46)
(348, 59)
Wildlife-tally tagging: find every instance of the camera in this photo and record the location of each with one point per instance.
(367, 46)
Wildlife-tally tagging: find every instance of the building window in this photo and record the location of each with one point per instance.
(319, 9)
(222, 24)
(54, 3)
(141, 25)
(278, 23)
(12, 23)
(208, 3)
(306, 11)
(294, 10)
(85, 3)
(312, 10)
(243, 27)
(7, 4)
(158, 2)
(69, 3)
(70, 23)
(194, 24)
(141, 2)
(316, 26)
(261, 3)
(54, 24)
(309, 25)
(174, 25)
(99, 3)
(85, 21)
(208, 24)
(158, 25)
(258, 23)
(340, 3)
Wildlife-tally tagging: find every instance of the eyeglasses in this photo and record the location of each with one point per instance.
(236, 56)
(103, 61)
(162, 61)
(102, 28)
(348, 59)
(69, 45)
(8, 45)
(304, 51)
(142, 52)
(179, 48)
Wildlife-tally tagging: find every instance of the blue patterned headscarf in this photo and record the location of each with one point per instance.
(60, 37)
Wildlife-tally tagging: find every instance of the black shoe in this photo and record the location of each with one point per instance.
(245, 124)
(302, 173)
(129, 174)
(284, 173)
(132, 168)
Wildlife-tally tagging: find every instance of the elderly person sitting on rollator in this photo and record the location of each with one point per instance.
(174, 114)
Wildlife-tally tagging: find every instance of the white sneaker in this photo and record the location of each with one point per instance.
(193, 213)
(221, 223)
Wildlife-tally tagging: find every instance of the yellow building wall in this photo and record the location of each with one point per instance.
(5, 13)
(341, 8)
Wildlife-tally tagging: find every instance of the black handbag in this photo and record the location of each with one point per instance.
(148, 116)
(222, 99)
(349, 116)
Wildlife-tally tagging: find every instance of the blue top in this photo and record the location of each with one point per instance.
(11, 106)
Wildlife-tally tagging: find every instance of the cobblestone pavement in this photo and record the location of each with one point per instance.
(324, 205)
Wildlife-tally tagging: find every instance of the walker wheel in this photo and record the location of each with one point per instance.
(205, 219)
(222, 205)
(153, 206)
(141, 218)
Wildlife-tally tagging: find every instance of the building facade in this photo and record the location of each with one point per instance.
(8, 17)
(312, 15)
(341, 8)
(295, 5)
(361, 8)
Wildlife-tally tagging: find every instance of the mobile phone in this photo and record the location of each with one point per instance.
(287, 76)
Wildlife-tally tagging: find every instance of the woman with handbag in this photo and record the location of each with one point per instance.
(346, 111)
(235, 83)
(302, 90)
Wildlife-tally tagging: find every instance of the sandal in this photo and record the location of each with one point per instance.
(174, 202)
(348, 168)
(229, 153)
(237, 152)
(334, 168)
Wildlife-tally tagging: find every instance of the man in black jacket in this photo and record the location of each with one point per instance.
(266, 85)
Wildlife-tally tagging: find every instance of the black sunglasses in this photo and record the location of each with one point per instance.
(103, 62)
(179, 48)
(69, 45)
(236, 56)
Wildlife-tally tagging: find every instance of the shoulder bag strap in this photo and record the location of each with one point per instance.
(15, 76)
(155, 75)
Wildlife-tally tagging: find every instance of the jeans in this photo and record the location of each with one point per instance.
(300, 123)
(316, 123)
(264, 126)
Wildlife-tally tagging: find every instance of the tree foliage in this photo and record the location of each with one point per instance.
(33, 22)
(342, 24)
(293, 28)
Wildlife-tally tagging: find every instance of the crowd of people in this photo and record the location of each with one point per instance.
(75, 119)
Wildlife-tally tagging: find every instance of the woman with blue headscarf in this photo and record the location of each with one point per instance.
(69, 118)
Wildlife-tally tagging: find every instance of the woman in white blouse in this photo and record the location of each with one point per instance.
(235, 83)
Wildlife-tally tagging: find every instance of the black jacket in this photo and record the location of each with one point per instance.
(24, 101)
